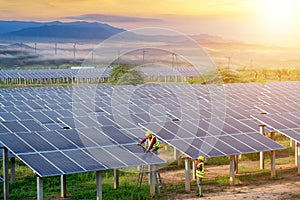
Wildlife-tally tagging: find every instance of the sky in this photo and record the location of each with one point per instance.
(271, 22)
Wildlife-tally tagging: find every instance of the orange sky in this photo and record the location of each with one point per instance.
(262, 21)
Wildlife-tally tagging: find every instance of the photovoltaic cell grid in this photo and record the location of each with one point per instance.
(106, 120)
(45, 151)
(280, 108)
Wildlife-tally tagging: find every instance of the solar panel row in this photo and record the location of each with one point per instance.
(107, 120)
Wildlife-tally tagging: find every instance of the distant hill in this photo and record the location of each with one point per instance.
(11, 26)
(206, 38)
(57, 31)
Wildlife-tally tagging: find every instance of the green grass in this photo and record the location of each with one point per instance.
(80, 186)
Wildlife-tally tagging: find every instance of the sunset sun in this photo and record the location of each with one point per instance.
(280, 11)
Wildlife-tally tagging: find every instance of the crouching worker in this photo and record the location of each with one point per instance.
(152, 142)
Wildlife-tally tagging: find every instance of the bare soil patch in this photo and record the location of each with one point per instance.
(250, 184)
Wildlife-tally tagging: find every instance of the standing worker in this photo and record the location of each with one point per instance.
(200, 174)
(152, 142)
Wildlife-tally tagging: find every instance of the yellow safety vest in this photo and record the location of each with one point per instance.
(200, 173)
(156, 143)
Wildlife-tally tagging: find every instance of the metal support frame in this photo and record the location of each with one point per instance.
(13, 169)
(194, 170)
(261, 154)
(116, 178)
(187, 175)
(231, 173)
(152, 179)
(63, 186)
(99, 185)
(39, 188)
(236, 164)
(272, 158)
(296, 154)
(292, 143)
(5, 174)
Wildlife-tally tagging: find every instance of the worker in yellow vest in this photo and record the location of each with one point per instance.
(152, 142)
(200, 174)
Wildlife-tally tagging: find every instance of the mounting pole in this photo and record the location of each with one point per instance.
(231, 180)
(63, 186)
(116, 178)
(39, 187)
(261, 154)
(187, 175)
(272, 158)
(99, 185)
(5, 174)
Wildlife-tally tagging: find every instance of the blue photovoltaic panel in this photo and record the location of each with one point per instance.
(22, 115)
(15, 144)
(77, 138)
(7, 116)
(32, 125)
(97, 136)
(57, 140)
(63, 162)
(40, 165)
(84, 160)
(105, 158)
(189, 149)
(125, 156)
(3, 129)
(250, 142)
(265, 141)
(36, 142)
(41, 117)
(139, 151)
(117, 135)
(14, 126)
(239, 145)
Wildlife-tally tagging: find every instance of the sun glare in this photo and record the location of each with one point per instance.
(279, 10)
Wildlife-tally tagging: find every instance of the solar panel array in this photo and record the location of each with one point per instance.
(93, 73)
(96, 127)
(280, 108)
(54, 73)
(33, 128)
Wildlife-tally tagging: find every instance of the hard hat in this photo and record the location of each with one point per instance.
(201, 158)
(148, 133)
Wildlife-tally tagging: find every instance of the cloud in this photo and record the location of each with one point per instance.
(113, 18)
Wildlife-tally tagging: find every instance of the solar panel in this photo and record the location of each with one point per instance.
(57, 140)
(14, 126)
(63, 162)
(84, 160)
(285, 123)
(42, 167)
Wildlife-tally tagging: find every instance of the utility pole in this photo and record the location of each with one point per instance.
(35, 47)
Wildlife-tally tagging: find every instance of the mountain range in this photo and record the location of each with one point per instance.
(55, 31)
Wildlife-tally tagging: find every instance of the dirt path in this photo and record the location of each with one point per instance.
(285, 186)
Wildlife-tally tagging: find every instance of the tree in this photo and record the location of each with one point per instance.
(126, 75)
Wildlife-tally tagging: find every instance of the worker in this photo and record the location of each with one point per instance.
(200, 174)
(152, 142)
